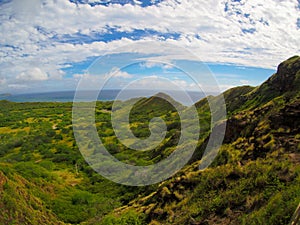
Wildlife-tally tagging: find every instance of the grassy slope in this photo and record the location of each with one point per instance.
(254, 180)
(18, 204)
(42, 166)
(256, 177)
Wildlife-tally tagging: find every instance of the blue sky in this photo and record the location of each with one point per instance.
(50, 45)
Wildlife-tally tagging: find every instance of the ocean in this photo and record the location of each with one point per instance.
(104, 95)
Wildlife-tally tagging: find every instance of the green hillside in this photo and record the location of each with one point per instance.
(255, 179)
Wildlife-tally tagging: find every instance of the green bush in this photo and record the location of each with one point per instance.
(128, 218)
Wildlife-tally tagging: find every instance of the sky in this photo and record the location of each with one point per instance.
(52, 45)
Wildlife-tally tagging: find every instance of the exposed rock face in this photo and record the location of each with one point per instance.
(288, 117)
(286, 77)
(285, 82)
(245, 121)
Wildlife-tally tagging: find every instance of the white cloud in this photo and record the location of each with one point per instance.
(118, 73)
(245, 82)
(137, 2)
(88, 81)
(159, 83)
(30, 31)
(17, 86)
(2, 81)
(33, 74)
(151, 83)
(150, 64)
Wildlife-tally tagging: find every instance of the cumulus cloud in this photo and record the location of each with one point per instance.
(160, 83)
(118, 73)
(33, 74)
(41, 34)
(150, 64)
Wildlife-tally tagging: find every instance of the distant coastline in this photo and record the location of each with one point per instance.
(105, 95)
(4, 95)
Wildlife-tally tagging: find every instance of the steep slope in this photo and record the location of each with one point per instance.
(285, 82)
(274, 108)
(18, 203)
(234, 99)
(255, 178)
